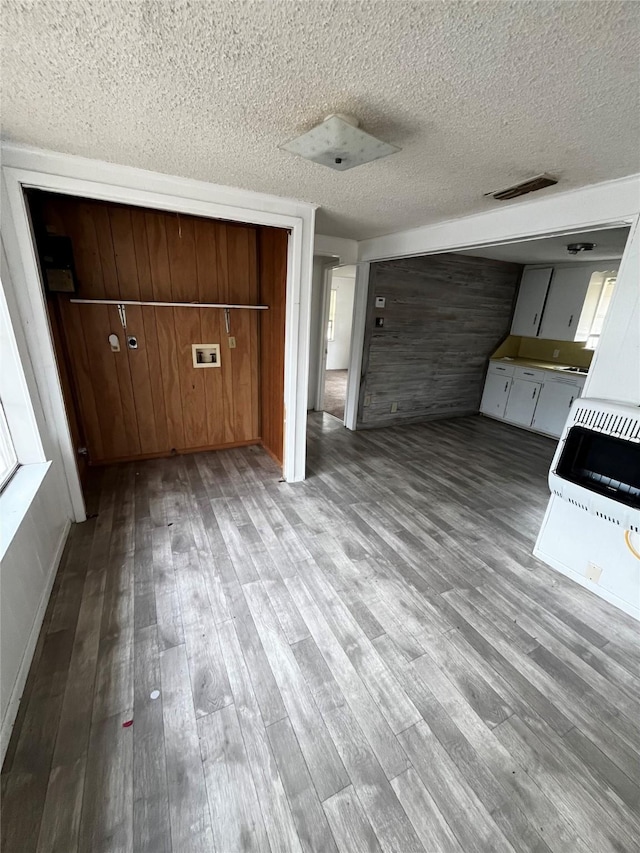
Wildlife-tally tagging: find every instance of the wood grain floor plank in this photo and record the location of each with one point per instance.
(274, 805)
(188, 804)
(313, 829)
(349, 824)
(106, 825)
(151, 824)
(235, 814)
(327, 771)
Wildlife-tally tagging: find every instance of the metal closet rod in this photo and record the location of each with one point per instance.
(168, 304)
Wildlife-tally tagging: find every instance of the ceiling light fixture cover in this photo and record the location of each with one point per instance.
(339, 144)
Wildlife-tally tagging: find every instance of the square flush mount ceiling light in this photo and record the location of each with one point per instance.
(339, 144)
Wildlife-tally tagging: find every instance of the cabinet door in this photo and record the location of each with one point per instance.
(567, 293)
(553, 406)
(522, 402)
(496, 392)
(531, 296)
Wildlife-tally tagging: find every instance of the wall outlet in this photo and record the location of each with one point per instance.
(394, 407)
(380, 301)
(367, 399)
(556, 353)
(232, 343)
(593, 573)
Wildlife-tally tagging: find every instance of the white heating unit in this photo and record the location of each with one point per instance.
(591, 530)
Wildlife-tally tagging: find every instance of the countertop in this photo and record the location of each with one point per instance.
(541, 365)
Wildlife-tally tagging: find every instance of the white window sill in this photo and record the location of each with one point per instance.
(16, 499)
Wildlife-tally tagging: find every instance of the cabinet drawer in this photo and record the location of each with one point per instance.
(530, 374)
(571, 379)
(501, 369)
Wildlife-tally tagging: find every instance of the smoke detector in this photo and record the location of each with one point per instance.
(574, 248)
(339, 144)
(528, 186)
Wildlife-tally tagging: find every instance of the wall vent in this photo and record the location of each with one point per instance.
(579, 505)
(529, 186)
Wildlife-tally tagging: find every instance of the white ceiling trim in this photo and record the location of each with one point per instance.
(111, 174)
(608, 204)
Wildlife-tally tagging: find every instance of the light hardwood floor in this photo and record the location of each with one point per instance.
(370, 660)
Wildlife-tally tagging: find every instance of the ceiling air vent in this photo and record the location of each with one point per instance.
(530, 186)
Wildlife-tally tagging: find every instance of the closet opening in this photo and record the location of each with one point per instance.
(168, 328)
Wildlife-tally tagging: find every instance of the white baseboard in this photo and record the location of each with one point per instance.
(23, 672)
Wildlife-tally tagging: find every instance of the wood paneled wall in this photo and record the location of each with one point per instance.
(444, 316)
(272, 245)
(152, 401)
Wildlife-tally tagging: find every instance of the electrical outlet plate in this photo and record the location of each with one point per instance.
(593, 573)
(394, 407)
(232, 342)
(380, 301)
(556, 353)
(367, 399)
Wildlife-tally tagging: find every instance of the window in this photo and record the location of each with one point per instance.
(603, 294)
(331, 325)
(8, 458)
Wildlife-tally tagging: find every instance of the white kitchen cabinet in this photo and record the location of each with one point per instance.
(496, 392)
(566, 298)
(530, 303)
(521, 404)
(553, 406)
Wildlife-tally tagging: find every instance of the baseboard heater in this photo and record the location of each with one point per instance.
(591, 530)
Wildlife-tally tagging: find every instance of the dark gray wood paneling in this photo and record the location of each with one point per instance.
(444, 316)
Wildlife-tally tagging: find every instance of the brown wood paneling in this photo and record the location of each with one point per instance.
(151, 400)
(444, 316)
(273, 284)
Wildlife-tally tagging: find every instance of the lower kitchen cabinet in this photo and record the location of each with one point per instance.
(534, 398)
(521, 404)
(496, 392)
(553, 406)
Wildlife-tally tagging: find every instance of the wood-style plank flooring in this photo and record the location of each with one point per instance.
(370, 660)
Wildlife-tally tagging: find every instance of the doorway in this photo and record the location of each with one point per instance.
(337, 326)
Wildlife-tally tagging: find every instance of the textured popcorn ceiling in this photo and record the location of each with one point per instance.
(478, 95)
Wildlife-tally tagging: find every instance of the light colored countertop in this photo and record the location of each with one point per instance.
(541, 365)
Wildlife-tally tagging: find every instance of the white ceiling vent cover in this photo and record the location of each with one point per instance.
(339, 144)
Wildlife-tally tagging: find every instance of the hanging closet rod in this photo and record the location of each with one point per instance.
(168, 304)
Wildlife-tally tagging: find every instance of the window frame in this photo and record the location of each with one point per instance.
(7, 450)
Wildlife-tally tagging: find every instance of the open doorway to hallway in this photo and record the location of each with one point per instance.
(339, 296)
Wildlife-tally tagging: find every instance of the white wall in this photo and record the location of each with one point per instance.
(315, 342)
(343, 281)
(36, 511)
(615, 369)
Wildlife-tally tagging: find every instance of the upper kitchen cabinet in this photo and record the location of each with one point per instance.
(532, 293)
(563, 303)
